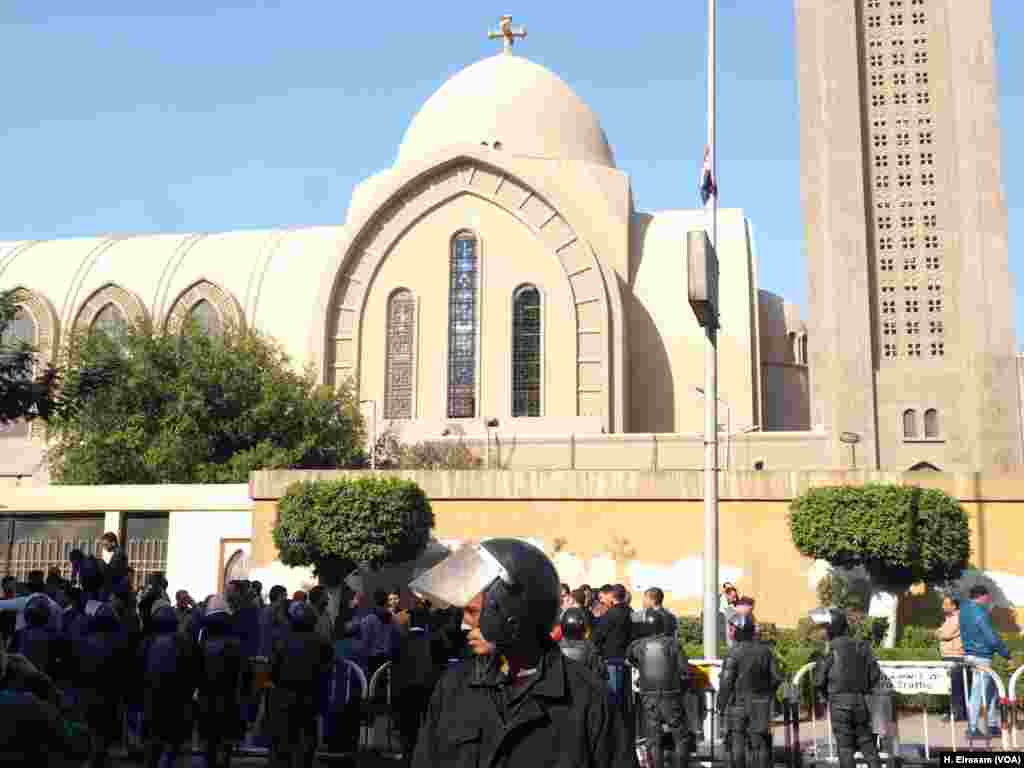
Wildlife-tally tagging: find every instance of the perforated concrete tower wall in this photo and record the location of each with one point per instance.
(911, 298)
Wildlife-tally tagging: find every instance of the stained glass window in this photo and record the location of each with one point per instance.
(462, 328)
(205, 316)
(526, 352)
(111, 321)
(400, 355)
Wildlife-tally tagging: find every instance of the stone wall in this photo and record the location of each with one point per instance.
(646, 528)
(647, 451)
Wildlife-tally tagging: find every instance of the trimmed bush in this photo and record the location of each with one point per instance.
(344, 523)
(901, 535)
(691, 631)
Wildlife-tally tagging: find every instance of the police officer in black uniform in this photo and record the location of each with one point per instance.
(847, 673)
(518, 702)
(746, 690)
(576, 646)
(662, 667)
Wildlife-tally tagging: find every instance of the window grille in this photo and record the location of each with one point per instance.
(527, 335)
(401, 355)
(463, 325)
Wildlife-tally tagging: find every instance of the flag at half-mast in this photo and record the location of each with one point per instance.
(708, 184)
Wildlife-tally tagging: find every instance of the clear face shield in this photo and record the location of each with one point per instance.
(460, 577)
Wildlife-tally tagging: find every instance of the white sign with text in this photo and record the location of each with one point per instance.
(911, 680)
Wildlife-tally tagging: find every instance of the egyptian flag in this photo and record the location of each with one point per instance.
(708, 186)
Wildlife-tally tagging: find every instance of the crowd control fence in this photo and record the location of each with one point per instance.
(919, 678)
(368, 705)
(1016, 708)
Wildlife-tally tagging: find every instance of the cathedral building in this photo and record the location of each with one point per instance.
(497, 281)
(497, 271)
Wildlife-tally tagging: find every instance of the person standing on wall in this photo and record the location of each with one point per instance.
(518, 701)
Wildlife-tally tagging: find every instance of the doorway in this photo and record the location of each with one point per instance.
(234, 560)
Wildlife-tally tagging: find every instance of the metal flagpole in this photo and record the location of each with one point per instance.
(711, 390)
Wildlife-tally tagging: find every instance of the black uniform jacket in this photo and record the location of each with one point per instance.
(614, 632)
(561, 718)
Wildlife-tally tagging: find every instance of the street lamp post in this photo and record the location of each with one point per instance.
(373, 428)
(728, 428)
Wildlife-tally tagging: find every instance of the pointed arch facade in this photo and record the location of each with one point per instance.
(45, 319)
(596, 301)
(228, 310)
(127, 303)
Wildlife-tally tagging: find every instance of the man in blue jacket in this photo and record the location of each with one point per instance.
(981, 643)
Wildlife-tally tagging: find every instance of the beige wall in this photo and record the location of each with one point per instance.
(787, 403)
(509, 256)
(666, 342)
(643, 528)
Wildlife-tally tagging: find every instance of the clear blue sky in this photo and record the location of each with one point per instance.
(266, 114)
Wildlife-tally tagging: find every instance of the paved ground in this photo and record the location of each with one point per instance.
(911, 730)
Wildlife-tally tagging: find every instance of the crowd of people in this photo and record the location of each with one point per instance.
(81, 655)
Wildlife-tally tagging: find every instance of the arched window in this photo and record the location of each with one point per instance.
(463, 325)
(527, 346)
(910, 424)
(401, 355)
(931, 423)
(791, 338)
(206, 317)
(803, 348)
(111, 321)
(21, 329)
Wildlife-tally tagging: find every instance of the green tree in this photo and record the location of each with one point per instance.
(337, 526)
(24, 393)
(900, 535)
(194, 408)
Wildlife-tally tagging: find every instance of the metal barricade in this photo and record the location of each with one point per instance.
(1016, 717)
(929, 678)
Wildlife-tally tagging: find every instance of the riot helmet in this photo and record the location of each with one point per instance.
(832, 619)
(302, 615)
(37, 611)
(743, 627)
(520, 587)
(574, 624)
(654, 623)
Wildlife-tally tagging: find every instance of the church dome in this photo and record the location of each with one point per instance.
(512, 104)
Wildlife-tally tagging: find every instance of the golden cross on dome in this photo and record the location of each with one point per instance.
(508, 32)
